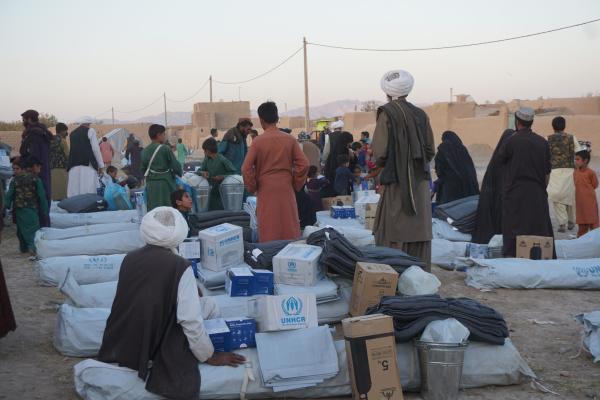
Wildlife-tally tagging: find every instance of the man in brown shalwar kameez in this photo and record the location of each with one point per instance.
(403, 146)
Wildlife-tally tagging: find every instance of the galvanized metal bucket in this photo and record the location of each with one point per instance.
(441, 367)
(202, 190)
(232, 193)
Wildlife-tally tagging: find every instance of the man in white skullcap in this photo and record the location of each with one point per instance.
(337, 143)
(85, 159)
(156, 322)
(527, 165)
(403, 147)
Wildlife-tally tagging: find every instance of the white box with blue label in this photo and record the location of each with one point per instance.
(219, 334)
(222, 247)
(280, 313)
(263, 282)
(297, 264)
(239, 281)
(242, 331)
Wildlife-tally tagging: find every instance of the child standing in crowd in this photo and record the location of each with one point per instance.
(586, 205)
(27, 197)
(215, 168)
(314, 185)
(343, 176)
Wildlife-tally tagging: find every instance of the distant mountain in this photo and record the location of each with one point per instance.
(329, 110)
(173, 118)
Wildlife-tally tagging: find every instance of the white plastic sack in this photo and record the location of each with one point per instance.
(325, 290)
(591, 332)
(484, 365)
(85, 269)
(414, 281)
(79, 331)
(445, 331)
(108, 243)
(64, 220)
(97, 295)
(445, 254)
(586, 246)
(443, 230)
(85, 230)
(324, 219)
(520, 273)
(55, 209)
(358, 236)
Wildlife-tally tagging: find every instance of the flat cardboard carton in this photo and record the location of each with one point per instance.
(242, 331)
(280, 313)
(239, 281)
(371, 283)
(298, 265)
(535, 247)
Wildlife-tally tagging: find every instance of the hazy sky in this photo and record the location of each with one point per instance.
(81, 57)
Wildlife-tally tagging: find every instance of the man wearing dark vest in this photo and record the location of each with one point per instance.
(85, 160)
(156, 322)
(561, 188)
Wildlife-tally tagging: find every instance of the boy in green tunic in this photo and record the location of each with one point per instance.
(215, 168)
(160, 167)
(27, 196)
(181, 151)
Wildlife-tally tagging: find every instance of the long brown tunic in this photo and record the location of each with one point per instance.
(393, 225)
(275, 168)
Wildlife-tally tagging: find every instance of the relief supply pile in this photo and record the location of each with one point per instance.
(222, 247)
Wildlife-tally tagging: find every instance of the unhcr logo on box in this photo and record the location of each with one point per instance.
(229, 240)
(292, 266)
(292, 310)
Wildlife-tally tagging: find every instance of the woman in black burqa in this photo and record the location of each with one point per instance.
(489, 209)
(455, 170)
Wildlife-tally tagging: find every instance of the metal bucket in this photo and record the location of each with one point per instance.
(441, 367)
(232, 193)
(200, 189)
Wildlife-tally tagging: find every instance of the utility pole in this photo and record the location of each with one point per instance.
(306, 112)
(239, 93)
(210, 85)
(165, 101)
(451, 97)
(112, 109)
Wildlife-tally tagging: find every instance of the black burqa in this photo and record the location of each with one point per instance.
(454, 167)
(338, 145)
(489, 209)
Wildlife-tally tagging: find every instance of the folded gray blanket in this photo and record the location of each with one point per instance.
(260, 255)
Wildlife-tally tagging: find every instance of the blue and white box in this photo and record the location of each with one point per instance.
(238, 281)
(263, 282)
(280, 313)
(298, 265)
(222, 247)
(242, 332)
(219, 334)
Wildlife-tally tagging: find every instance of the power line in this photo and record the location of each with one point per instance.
(141, 109)
(263, 74)
(192, 96)
(103, 112)
(458, 45)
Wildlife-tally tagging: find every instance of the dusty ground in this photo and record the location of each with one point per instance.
(30, 368)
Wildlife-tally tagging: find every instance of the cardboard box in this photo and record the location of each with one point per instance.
(190, 249)
(263, 282)
(239, 281)
(222, 247)
(219, 334)
(280, 313)
(366, 207)
(544, 247)
(371, 353)
(371, 283)
(297, 264)
(332, 201)
(242, 331)
(369, 223)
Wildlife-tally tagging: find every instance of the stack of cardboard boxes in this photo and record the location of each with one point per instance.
(366, 210)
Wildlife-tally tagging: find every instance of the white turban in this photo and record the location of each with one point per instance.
(164, 227)
(337, 124)
(397, 83)
(85, 120)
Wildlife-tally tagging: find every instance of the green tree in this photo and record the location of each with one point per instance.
(45, 118)
(48, 119)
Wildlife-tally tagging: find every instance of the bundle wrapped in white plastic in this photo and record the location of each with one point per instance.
(520, 273)
(358, 236)
(484, 365)
(443, 230)
(447, 254)
(586, 246)
(96, 295)
(445, 331)
(78, 331)
(325, 290)
(591, 333)
(414, 281)
(84, 269)
(65, 220)
(108, 243)
(84, 230)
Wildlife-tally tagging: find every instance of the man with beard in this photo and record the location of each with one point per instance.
(234, 146)
(337, 145)
(35, 142)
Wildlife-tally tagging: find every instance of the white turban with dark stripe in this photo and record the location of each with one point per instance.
(397, 83)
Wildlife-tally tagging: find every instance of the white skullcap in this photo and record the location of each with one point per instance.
(525, 114)
(337, 124)
(397, 83)
(85, 120)
(164, 227)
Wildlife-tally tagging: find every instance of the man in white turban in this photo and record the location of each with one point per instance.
(337, 143)
(403, 147)
(155, 326)
(85, 159)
